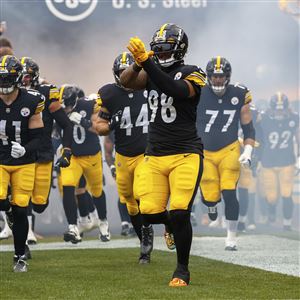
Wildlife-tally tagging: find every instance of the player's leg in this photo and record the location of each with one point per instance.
(127, 172)
(286, 181)
(243, 196)
(152, 188)
(92, 170)
(70, 177)
(210, 184)
(270, 185)
(184, 180)
(229, 169)
(42, 186)
(4, 202)
(22, 183)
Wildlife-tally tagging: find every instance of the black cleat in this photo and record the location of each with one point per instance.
(147, 239)
(212, 213)
(144, 259)
(125, 230)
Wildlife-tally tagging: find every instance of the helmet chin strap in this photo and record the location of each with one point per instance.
(219, 90)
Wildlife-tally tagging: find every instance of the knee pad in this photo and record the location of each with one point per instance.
(39, 208)
(132, 208)
(231, 205)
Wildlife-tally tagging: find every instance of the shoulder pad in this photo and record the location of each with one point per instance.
(196, 75)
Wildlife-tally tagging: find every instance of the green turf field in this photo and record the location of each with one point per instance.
(115, 274)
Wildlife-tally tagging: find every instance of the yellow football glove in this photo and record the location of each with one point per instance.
(138, 50)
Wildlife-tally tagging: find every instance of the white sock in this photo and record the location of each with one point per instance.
(29, 222)
(85, 219)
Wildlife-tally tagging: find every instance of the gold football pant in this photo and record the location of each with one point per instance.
(173, 178)
(42, 183)
(127, 169)
(221, 170)
(21, 180)
(90, 166)
(275, 180)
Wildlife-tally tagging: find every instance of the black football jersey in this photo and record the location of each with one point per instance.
(172, 126)
(51, 93)
(278, 140)
(131, 135)
(84, 141)
(218, 118)
(14, 121)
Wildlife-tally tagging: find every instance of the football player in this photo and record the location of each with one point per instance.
(126, 112)
(172, 165)
(222, 107)
(280, 128)
(43, 168)
(21, 129)
(86, 160)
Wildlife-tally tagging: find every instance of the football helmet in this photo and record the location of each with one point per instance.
(69, 94)
(121, 62)
(31, 72)
(218, 72)
(279, 106)
(10, 74)
(169, 44)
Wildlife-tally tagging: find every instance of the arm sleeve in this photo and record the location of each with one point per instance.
(64, 122)
(171, 87)
(35, 136)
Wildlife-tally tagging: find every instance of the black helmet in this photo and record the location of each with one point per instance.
(169, 44)
(10, 74)
(31, 72)
(121, 62)
(69, 94)
(218, 66)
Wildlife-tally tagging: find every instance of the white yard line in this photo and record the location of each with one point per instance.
(269, 253)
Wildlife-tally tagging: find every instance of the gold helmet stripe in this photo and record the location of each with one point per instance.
(61, 93)
(124, 58)
(23, 60)
(279, 96)
(218, 62)
(3, 61)
(161, 30)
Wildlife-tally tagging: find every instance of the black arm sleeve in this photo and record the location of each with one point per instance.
(64, 122)
(35, 136)
(171, 87)
(248, 131)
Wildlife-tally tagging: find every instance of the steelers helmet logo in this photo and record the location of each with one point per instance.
(178, 76)
(292, 123)
(25, 112)
(234, 101)
(83, 113)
